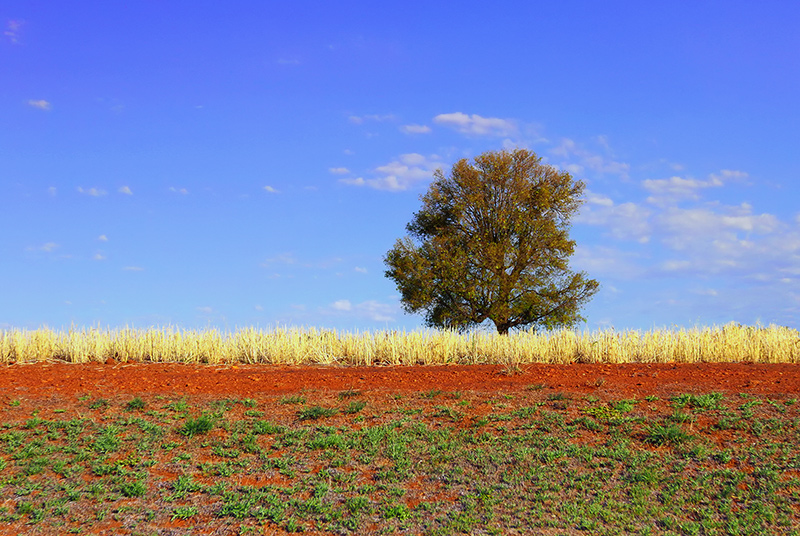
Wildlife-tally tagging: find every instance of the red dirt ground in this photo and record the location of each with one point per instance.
(42, 380)
(46, 386)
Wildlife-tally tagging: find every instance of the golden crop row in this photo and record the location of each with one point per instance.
(730, 343)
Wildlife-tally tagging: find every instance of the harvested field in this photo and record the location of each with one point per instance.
(726, 344)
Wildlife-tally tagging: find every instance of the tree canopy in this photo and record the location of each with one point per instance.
(491, 242)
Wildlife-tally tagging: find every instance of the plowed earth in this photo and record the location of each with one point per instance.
(55, 391)
(40, 381)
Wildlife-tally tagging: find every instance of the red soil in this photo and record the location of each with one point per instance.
(48, 386)
(42, 380)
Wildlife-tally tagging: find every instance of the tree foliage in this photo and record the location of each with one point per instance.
(491, 242)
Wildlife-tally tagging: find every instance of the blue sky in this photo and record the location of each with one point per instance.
(199, 164)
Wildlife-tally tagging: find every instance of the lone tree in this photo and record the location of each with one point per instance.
(491, 243)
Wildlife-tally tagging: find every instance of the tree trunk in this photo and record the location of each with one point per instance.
(502, 327)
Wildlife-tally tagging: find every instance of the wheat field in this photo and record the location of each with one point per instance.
(293, 346)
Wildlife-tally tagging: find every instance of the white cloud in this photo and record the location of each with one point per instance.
(342, 305)
(371, 309)
(182, 191)
(415, 129)
(666, 191)
(712, 239)
(727, 175)
(360, 270)
(701, 227)
(606, 261)
(761, 223)
(701, 241)
(353, 182)
(299, 265)
(707, 292)
(401, 174)
(205, 310)
(602, 140)
(12, 30)
(99, 257)
(339, 170)
(674, 265)
(40, 104)
(597, 199)
(52, 191)
(511, 145)
(566, 148)
(626, 221)
(378, 118)
(376, 311)
(47, 247)
(259, 308)
(102, 238)
(475, 125)
(675, 188)
(125, 190)
(589, 160)
(94, 192)
(714, 256)
(271, 190)
(282, 258)
(732, 241)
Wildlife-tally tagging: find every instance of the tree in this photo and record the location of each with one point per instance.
(491, 242)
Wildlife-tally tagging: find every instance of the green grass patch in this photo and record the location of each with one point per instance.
(196, 426)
